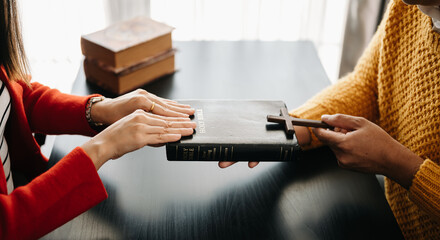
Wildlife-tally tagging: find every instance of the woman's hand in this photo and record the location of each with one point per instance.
(363, 146)
(134, 131)
(111, 110)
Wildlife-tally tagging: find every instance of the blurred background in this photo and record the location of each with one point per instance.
(340, 29)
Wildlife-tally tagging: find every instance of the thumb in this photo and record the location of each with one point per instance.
(328, 136)
(343, 121)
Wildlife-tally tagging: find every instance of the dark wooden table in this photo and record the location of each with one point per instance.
(152, 198)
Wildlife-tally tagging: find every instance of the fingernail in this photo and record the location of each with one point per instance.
(325, 116)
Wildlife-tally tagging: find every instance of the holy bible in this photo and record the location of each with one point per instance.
(235, 130)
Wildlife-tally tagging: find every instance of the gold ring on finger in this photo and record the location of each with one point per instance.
(152, 107)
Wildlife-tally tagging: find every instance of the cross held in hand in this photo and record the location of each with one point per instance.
(289, 121)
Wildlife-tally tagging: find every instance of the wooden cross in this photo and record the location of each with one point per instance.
(289, 121)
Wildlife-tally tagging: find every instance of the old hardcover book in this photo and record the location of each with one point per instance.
(122, 80)
(235, 130)
(126, 43)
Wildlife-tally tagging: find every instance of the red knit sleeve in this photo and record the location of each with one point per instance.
(69, 188)
(52, 112)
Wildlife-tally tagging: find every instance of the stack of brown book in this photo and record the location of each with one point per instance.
(128, 54)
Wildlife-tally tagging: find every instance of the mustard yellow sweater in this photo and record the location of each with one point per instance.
(396, 84)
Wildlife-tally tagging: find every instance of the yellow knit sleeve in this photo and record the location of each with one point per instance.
(425, 189)
(355, 94)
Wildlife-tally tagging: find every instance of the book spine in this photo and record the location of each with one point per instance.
(236, 152)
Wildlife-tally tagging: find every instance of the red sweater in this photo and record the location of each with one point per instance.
(59, 194)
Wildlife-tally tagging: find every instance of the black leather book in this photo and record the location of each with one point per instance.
(235, 130)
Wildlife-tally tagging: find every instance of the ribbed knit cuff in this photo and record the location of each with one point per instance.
(425, 188)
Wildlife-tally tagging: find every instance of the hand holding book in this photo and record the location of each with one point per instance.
(238, 130)
(363, 146)
(293, 125)
(352, 137)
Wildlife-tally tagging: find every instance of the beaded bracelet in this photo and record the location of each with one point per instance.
(90, 102)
